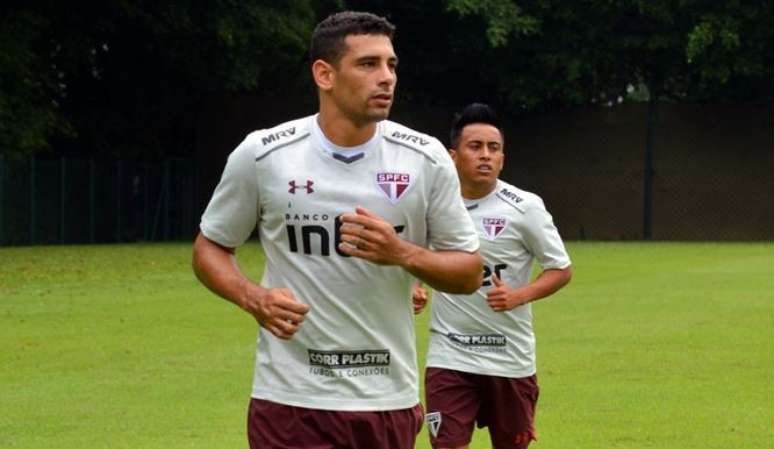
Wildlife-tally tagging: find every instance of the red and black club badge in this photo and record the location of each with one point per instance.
(394, 185)
(493, 226)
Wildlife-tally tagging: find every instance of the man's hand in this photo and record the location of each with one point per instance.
(276, 309)
(502, 298)
(418, 297)
(368, 236)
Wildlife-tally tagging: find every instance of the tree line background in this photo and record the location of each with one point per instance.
(133, 87)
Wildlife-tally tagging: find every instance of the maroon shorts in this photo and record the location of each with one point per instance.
(277, 426)
(456, 400)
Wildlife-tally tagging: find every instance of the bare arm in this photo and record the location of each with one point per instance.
(275, 309)
(368, 236)
(502, 297)
(447, 271)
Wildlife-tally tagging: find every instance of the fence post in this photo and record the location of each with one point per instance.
(647, 212)
(33, 205)
(2, 199)
(145, 209)
(160, 202)
(167, 200)
(119, 202)
(195, 199)
(191, 215)
(62, 197)
(92, 201)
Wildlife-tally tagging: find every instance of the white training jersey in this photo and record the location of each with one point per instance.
(465, 333)
(356, 348)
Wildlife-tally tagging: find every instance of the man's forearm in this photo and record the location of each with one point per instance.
(446, 271)
(547, 283)
(216, 268)
(275, 309)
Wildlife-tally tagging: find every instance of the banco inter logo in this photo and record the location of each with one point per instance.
(349, 359)
(478, 340)
(313, 233)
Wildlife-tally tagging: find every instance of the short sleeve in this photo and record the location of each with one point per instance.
(542, 239)
(449, 224)
(233, 211)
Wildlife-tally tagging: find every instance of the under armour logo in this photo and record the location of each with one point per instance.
(308, 186)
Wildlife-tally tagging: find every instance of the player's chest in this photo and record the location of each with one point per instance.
(311, 185)
(499, 230)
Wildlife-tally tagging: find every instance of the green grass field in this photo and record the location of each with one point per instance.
(656, 345)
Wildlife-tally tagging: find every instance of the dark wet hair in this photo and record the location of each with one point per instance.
(473, 113)
(328, 39)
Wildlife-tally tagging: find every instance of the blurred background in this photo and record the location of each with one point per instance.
(633, 119)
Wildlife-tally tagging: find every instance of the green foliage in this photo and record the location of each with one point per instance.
(503, 18)
(29, 108)
(731, 45)
(124, 75)
(576, 52)
(127, 76)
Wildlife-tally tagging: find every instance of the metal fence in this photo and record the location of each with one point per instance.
(71, 200)
(712, 178)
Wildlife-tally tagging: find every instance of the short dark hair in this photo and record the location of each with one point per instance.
(473, 113)
(328, 39)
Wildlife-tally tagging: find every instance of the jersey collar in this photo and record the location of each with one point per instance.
(472, 204)
(346, 155)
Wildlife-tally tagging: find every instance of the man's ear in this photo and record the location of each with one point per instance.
(323, 74)
(453, 154)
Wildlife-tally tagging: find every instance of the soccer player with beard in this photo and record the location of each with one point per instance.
(347, 205)
(481, 357)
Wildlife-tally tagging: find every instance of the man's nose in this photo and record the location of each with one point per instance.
(387, 75)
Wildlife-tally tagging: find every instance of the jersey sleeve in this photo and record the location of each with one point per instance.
(233, 211)
(542, 238)
(449, 224)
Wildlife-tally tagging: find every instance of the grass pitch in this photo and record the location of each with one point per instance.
(659, 345)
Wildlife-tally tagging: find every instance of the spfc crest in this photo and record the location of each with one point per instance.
(494, 226)
(433, 421)
(394, 185)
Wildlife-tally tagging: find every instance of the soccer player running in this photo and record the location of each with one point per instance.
(346, 204)
(481, 356)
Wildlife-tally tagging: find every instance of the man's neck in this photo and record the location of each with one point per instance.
(476, 191)
(343, 132)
